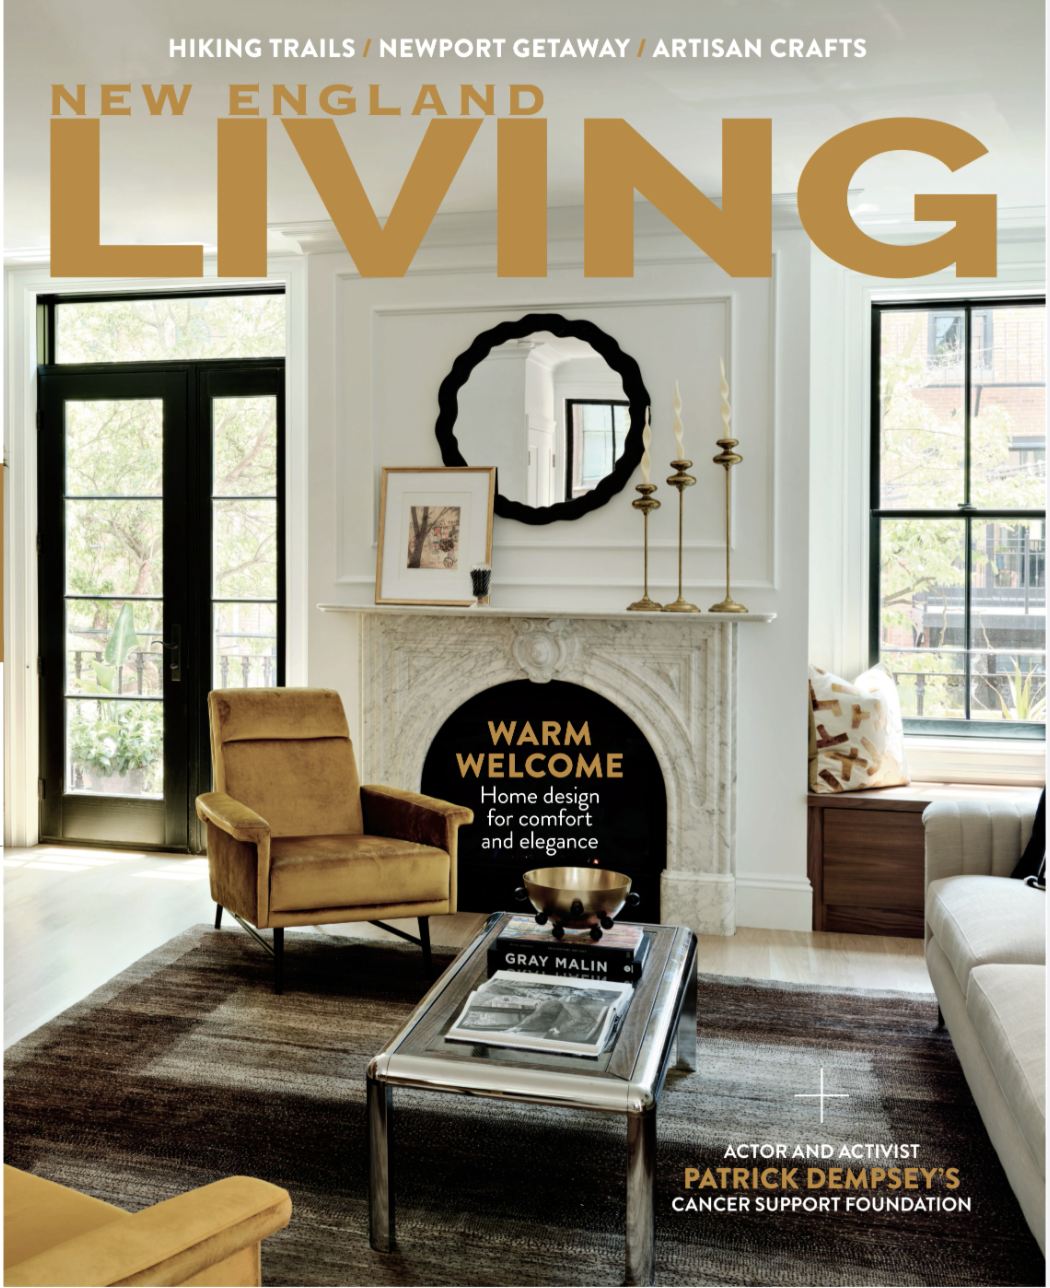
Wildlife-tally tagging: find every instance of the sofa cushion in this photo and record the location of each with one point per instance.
(1007, 1006)
(982, 920)
(39, 1214)
(353, 871)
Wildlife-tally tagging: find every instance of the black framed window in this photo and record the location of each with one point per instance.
(958, 519)
(161, 566)
(595, 434)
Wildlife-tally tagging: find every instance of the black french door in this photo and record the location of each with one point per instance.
(161, 571)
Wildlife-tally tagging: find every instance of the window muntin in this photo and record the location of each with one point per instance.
(244, 542)
(958, 518)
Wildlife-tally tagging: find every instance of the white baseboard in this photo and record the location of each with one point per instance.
(769, 901)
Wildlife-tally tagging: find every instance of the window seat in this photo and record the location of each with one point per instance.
(866, 856)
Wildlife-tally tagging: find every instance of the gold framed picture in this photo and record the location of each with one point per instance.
(435, 523)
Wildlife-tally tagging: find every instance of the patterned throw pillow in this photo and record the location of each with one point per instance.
(856, 731)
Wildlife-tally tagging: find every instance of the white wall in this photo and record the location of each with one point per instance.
(378, 351)
(493, 408)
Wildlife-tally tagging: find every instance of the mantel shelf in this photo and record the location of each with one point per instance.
(441, 610)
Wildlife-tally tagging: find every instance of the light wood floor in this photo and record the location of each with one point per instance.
(74, 918)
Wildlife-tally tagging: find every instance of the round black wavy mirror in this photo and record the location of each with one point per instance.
(555, 405)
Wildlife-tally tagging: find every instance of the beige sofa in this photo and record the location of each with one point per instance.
(986, 954)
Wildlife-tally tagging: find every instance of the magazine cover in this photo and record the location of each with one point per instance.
(480, 480)
(512, 1009)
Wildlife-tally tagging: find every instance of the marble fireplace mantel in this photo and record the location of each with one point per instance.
(674, 674)
(442, 610)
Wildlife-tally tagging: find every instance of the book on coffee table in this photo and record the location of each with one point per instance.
(523, 946)
(541, 1013)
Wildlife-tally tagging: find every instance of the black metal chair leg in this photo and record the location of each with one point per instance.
(278, 959)
(218, 916)
(424, 940)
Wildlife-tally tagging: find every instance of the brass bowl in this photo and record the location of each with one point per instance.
(575, 898)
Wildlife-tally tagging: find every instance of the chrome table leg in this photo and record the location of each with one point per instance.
(380, 1191)
(687, 1022)
(641, 1170)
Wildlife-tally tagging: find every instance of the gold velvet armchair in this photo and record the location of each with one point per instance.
(55, 1236)
(295, 840)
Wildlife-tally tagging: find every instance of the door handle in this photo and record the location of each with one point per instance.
(175, 645)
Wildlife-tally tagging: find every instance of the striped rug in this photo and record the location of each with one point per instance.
(187, 1068)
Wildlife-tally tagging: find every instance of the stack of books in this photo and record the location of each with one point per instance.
(537, 1013)
(525, 947)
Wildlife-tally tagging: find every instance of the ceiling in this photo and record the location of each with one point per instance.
(973, 64)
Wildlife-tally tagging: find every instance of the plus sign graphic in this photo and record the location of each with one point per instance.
(821, 1095)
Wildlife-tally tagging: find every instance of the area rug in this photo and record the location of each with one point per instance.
(187, 1068)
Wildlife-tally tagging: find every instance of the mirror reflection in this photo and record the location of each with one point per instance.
(549, 412)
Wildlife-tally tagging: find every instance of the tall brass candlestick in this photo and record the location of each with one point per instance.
(728, 459)
(645, 503)
(681, 480)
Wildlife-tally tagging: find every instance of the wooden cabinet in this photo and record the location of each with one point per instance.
(867, 855)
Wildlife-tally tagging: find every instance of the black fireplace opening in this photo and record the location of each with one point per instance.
(557, 776)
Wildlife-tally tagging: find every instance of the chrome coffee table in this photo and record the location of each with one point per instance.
(626, 1079)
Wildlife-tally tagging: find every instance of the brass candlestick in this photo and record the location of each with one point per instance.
(727, 458)
(681, 480)
(645, 503)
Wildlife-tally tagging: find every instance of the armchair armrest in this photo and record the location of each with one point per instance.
(412, 817)
(975, 838)
(167, 1243)
(235, 819)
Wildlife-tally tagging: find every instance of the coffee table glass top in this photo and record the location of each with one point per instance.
(425, 1032)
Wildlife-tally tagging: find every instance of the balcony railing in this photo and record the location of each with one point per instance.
(991, 691)
(235, 670)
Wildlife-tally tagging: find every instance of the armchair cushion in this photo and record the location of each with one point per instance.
(301, 787)
(389, 811)
(353, 871)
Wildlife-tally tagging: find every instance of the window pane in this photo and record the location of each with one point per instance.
(116, 748)
(597, 442)
(245, 437)
(202, 326)
(931, 683)
(114, 448)
(113, 647)
(921, 617)
(114, 547)
(922, 438)
(1008, 621)
(596, 456)
(621, 424)
(245, 549)
(245, 644)
(1008, 408)
(595, 417)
